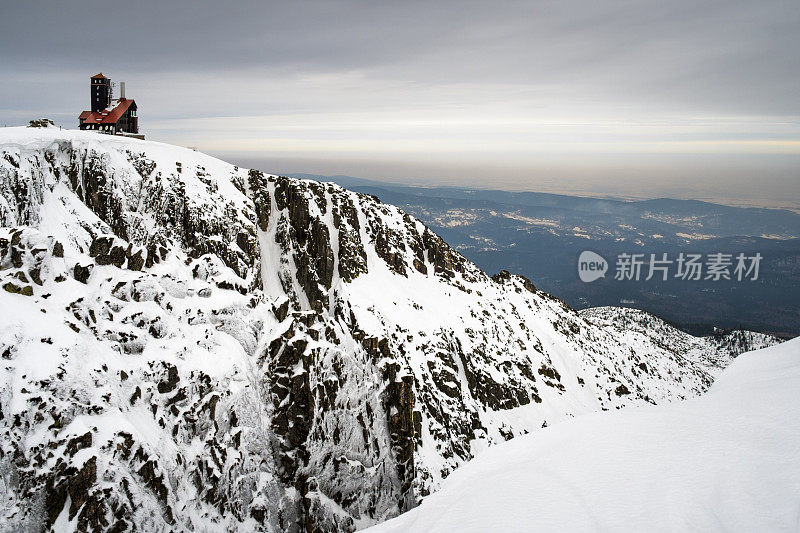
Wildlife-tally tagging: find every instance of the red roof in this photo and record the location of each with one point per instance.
(106, 116)
(100, 75)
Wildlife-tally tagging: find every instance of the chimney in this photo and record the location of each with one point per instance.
(122, 90)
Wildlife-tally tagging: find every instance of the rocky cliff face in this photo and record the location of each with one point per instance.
(187, 345)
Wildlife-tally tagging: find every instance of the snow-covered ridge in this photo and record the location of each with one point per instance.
(727, 461)
(637, 326)
(187, 345)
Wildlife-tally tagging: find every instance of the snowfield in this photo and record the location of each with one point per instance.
(727, 461)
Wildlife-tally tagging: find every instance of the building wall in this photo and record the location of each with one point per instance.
(100, 93)
(129, 123)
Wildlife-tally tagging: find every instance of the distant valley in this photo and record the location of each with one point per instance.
(541, 235)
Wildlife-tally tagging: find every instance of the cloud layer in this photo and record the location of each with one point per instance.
(515, 85)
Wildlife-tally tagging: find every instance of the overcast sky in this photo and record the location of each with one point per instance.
(682, 98)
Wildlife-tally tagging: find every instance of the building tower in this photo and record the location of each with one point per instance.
(113, 117)
(100, 88)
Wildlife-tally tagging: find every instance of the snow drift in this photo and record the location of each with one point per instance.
(188, 345)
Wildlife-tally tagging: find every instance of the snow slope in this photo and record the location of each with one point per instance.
(188, 345)
(727, 461)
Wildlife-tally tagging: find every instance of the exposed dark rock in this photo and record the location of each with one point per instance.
(136, 395)
(352, 257)
(77, 484)
(549, 372)
(26, 290)
(398, 403)
(135, 260)
(281, 311)
(79, 443)
(82, 272)
(261, 199)
(311, 247)
(172, 380)
(502, 276)
(101, 246)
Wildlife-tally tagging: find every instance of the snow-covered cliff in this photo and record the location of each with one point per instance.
(190, 345)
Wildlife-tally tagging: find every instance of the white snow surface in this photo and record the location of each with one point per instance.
(727, 461)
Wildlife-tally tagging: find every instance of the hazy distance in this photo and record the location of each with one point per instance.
(628, 98)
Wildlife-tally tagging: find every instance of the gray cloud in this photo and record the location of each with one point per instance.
(736, 55)
(460, 77)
